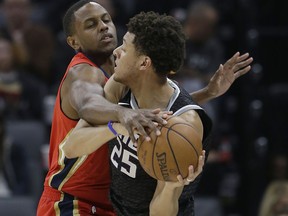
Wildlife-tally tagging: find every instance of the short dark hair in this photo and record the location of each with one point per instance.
(161, 37)
(69, 18)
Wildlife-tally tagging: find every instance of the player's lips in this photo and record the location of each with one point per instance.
(107, 37)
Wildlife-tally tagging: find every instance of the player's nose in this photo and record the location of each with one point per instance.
(103, 26)
(116, 53)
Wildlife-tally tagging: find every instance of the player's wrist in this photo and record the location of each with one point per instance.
(211, 91)
(119, 110)
(111, 128)
(171, 186)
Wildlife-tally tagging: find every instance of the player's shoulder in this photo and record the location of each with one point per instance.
(190, 116)
(81, 68)
(86, 72)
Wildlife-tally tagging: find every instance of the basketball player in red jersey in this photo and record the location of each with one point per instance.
(80, 185)
(144, 71)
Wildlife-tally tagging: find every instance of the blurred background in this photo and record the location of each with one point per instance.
(249, 148)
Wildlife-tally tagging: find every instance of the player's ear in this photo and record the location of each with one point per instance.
(146, 62)
(72, 41)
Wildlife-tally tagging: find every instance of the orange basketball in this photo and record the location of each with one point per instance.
(171, 153)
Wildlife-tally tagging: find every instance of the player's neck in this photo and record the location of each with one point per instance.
(151, 95)
(108, 66)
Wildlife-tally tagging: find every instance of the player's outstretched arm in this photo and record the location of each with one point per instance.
(165, 199)
(84, 139)
(82, 96)
(223, 78)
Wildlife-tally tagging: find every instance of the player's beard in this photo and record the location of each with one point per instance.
(97, 56)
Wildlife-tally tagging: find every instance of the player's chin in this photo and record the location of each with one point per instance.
(108, 48)
(116, 77)
(111, 44)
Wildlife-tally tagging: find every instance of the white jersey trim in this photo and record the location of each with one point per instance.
(186, 108)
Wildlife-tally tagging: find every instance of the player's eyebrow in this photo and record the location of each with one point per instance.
(105, 15)
(93, 17)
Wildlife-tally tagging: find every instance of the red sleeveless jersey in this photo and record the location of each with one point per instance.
(86, 177)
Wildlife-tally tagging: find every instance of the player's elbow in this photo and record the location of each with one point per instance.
(82, 111)
(85, 110)
(89, 105)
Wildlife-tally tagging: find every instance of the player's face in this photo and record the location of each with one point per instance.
(94, 29)
(127, 61)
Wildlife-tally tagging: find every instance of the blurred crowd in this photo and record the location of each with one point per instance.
(247, 167)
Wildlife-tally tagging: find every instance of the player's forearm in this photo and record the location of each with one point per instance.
(99, 111)
(84, 141)
(89, 102)
(202, 96)
(166, 202)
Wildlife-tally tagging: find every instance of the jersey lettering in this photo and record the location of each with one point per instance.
(124, 156)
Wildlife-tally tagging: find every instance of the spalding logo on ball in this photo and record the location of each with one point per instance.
(171, 153)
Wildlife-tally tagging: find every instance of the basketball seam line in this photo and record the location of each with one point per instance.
(154, 146)
(171, 148)
(170, 128)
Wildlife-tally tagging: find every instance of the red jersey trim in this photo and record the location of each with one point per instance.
(67, 167)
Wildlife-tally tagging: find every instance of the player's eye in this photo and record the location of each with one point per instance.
(90, 24)
(106, 20)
